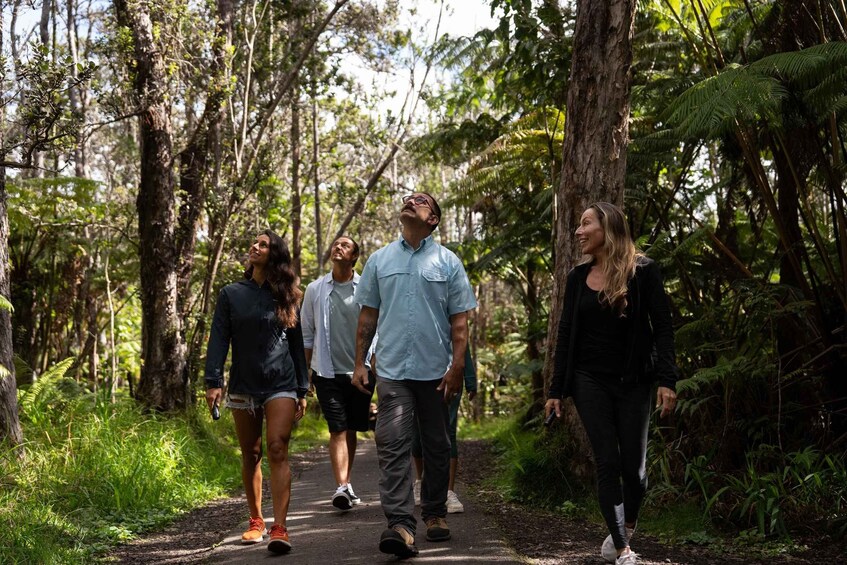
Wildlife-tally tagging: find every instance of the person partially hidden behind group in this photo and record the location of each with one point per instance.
(258, 316)
(454, 505)
(615, 342)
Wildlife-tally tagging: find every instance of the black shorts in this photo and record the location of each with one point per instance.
(344, 406)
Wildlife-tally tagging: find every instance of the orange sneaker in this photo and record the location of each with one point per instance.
(254, 532)
(279, 539)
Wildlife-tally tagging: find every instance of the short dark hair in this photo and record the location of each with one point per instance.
(355, 245)
(436, 209)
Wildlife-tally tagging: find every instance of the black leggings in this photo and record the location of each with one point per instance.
(615, 417)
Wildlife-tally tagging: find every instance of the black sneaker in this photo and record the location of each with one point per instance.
(398, 541)
(341, 499)
(437, 529)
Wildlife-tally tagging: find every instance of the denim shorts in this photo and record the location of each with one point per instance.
(249, 401)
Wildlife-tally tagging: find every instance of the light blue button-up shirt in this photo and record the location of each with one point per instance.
(416, 292)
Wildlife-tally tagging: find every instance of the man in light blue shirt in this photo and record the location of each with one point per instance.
(329, 317)
(418, 295)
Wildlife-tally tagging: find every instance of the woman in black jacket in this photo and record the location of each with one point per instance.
(615, 342)
(268, 380)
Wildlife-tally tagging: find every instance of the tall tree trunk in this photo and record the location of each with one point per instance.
(317, 182)
(10, 427)
(533, 349)
(594, 154)
(296, 204)
(203, 147)
(75, 95)
(162, 385)
(94, 337)
(44, 34)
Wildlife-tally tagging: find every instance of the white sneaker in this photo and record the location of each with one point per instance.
(608, 550)
(341, 499)
(627, 558)
(354, 499)
(453, 504)
(417, 490)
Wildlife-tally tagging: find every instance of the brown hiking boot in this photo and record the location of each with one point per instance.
(437, 529)
(254, 532)
(398, 541)
(279, 539)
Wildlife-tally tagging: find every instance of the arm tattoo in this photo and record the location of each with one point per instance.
(367, 334)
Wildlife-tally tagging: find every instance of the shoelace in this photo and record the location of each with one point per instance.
(256, 524)
(277, 529)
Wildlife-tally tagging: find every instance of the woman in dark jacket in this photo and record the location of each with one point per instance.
(268, 380)
(615, 342)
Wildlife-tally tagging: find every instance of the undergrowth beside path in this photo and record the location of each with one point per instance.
(92, 473)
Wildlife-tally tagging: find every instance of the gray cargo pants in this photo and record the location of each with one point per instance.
(400, 402)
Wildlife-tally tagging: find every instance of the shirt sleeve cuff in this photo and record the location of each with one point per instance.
(214, 383)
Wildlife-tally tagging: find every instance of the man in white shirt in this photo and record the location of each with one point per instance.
(329, 318)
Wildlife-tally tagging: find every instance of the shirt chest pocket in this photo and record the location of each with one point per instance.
(434, 284)
(394, 279)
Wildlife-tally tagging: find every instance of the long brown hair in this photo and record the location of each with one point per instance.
(621, 255)
(285, 285)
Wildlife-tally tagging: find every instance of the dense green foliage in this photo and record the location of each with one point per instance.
(735, 184)
(96, 473)
(801, 492)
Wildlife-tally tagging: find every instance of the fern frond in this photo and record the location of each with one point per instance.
(694, 239)
(713, 106)
(58, 370)
(807, 67)
(825, 96)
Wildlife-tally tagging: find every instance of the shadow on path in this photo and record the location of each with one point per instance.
(321, 534)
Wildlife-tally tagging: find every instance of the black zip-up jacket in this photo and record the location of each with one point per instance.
(266, 358)
(649, 342)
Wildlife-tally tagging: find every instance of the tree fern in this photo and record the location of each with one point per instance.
(807, 67)
(758, 91)
(716, 105)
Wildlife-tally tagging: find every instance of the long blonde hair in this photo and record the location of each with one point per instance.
(621, 255)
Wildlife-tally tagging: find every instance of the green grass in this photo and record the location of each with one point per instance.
(487, 428)
(92, 474)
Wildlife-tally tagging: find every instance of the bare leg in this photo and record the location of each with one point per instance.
(338, 456)
(248, 428)
(280, 419)
(352, 443)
